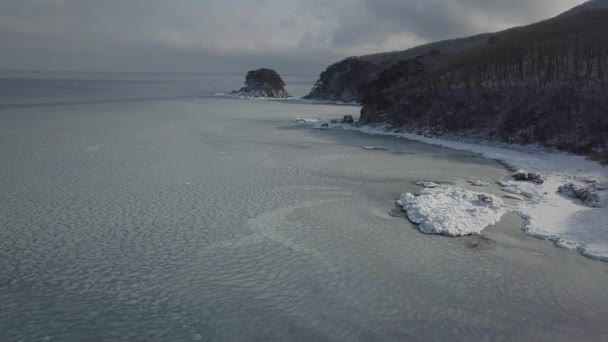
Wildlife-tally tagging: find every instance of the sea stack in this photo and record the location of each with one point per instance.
(263, 83)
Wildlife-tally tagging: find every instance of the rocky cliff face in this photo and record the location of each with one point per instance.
(342, 81)
(263, 83)
(546, 83)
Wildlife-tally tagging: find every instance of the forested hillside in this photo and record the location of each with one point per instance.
(544, 83)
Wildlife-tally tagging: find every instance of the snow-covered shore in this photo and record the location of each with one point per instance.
(548, 214)
(295, 99)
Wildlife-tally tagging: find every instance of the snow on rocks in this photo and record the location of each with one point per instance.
(487, 199)
(452, 211)
(306, 120)
(476, 182)
(512, 190)
(529, 176)
(587, 193)
(513, 196)
(515, 189)
(428, 185)
(507, 184)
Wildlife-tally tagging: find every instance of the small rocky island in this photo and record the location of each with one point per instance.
(263, 83)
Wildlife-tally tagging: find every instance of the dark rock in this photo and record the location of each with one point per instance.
(263, 83)
(486, 199)
(529, 177)
(520, 176)
(325, 125)
(348, 119)
(586, 193)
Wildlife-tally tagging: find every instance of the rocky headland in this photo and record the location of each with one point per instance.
(545, 83)
(263, 83)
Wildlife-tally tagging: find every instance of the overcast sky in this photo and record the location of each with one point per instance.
(293, 36)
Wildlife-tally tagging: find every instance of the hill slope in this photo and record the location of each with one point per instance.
(592, 5)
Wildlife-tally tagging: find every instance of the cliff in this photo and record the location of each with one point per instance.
(343, 80)
(263, 83)
(545, 83)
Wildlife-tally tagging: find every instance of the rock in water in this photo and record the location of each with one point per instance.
(263, 83)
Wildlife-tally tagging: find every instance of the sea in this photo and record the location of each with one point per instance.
(142, 207)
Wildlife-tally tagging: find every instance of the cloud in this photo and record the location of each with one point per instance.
(144, 34)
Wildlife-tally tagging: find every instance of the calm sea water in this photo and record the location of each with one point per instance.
(138, 207)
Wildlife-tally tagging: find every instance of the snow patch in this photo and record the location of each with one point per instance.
(452, 211)
(374, 148)
(513, 196)
(428, 185)
(306, 120)
(477, 182)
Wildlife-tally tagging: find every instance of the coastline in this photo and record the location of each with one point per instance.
(292, 99)
(548, 214)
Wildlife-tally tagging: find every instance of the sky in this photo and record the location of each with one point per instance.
(292, 36)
